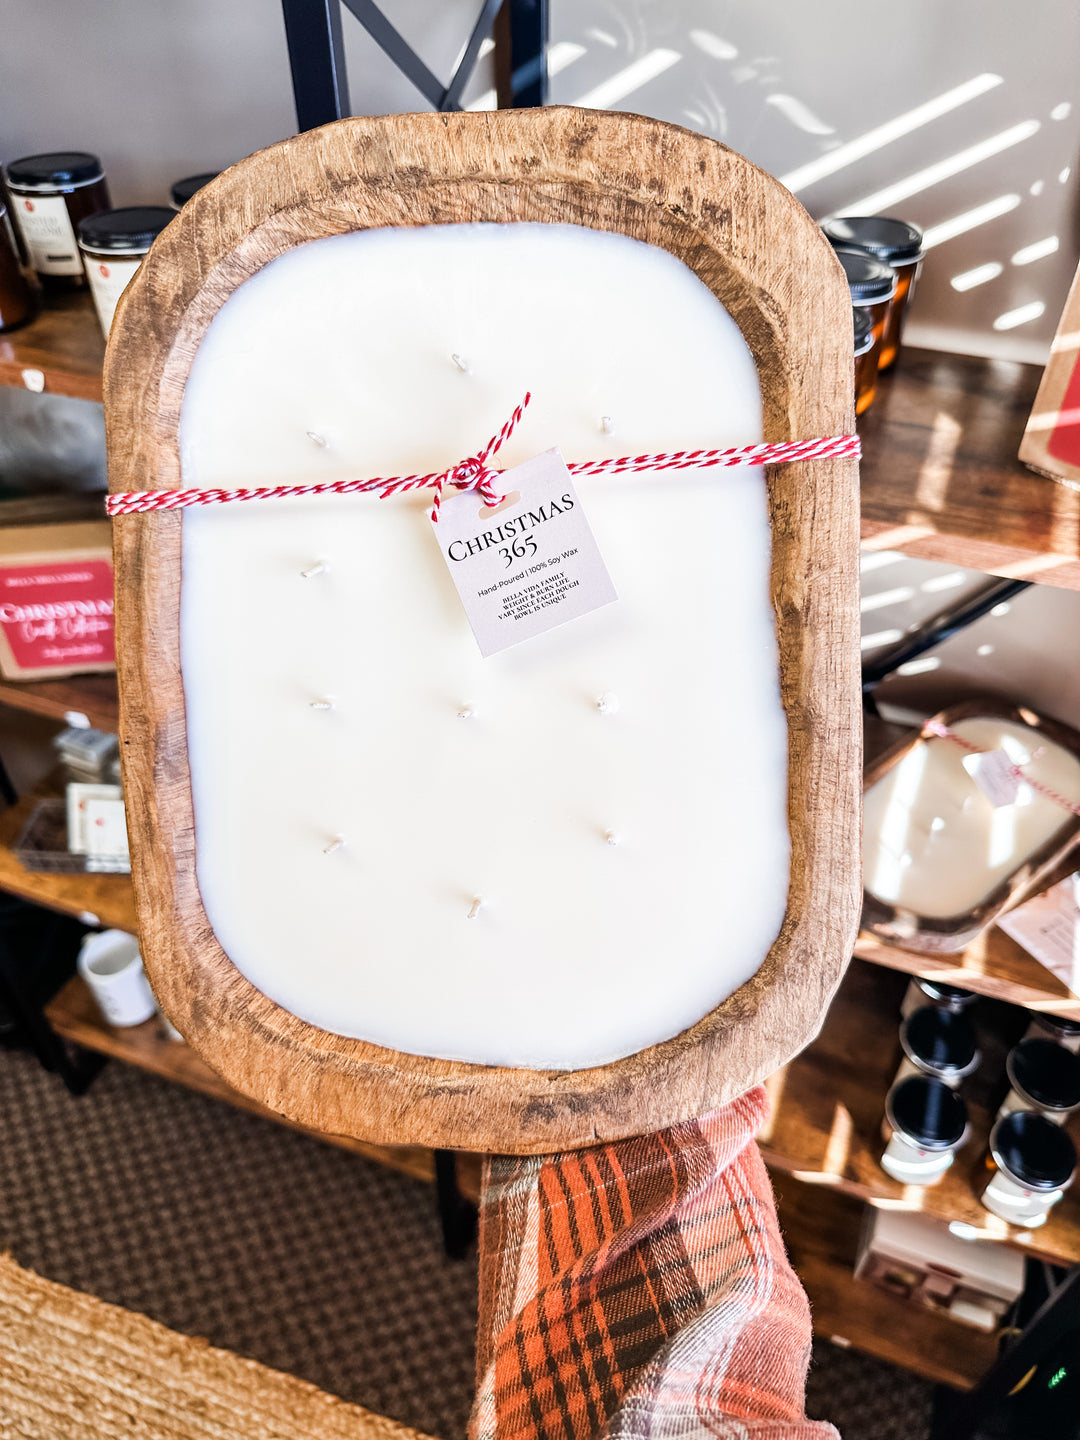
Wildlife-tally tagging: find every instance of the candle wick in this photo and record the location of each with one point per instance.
(606, 427)
(462, 364)
(316, 439)
(474, 908)
(333, 846)
(319, 568)
(322, 704)
(608, 704)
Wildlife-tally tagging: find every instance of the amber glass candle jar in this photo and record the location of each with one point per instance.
(50, 194)
(900, 246)
(183, 190)
(872, 285)
(16, 299)
(866, 366)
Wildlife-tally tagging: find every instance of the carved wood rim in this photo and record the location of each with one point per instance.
(759, 252)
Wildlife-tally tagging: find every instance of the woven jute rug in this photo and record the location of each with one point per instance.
(75, 1368)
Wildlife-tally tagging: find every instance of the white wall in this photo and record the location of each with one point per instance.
(792, 85)
(164, 88)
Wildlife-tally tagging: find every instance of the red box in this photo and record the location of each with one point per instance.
(56, 600)
(1051, 443)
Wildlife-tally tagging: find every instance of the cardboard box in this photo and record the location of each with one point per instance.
(921, 1259)
(1051, 443)
(56, 600)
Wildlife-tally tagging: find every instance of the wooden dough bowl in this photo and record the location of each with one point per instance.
(755, 247)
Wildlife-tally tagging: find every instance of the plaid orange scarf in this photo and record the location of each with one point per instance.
(641, 1289)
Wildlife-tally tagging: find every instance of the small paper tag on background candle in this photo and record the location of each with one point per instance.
(528, 567)
(995, 775)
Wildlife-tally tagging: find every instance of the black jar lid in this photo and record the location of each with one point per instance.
(864, 331)
(183, 190)
(131, 228)
(869, 279)
(1059, 1024)
(941, 1040)
(894, 241)
(1047, 1072)
(1033, 1150)
(57, 169)
(949, 995)
(927, 1112)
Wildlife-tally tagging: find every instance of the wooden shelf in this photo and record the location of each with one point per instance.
(93, 697)
(74, 1015)
(828, 1106)
(940, 477)
(97, 899)
(64, 342)
(994, 965)
(821, 1231)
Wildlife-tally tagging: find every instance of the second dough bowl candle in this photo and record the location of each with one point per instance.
(594, 882)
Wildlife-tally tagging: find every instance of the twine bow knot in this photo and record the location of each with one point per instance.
(474, 473)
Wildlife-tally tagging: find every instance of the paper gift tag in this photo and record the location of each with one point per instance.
(995, 775)
(78, 797)
(526, 567)
(106, 836)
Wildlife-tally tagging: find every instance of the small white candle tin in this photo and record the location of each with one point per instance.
(1044, 1077)
(1034, 1161)
(925, 1124)
(937, 1042)
(111, 965)
(922, 990)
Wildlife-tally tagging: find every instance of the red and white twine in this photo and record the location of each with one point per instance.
(474, 473)
(942, 732)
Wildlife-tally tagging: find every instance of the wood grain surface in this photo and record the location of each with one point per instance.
(64, 342)
(761, 255)
(940, 475)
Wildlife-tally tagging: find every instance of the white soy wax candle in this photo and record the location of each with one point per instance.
(934, 845)
(553, 857)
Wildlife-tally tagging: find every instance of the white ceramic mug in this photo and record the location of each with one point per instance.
(111, 965)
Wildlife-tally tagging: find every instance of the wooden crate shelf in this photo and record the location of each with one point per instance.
(64, 343)
(107, 900)
(821, 1232)
(828, 1106)
(940, 477)
(994, 965)
(70, 700)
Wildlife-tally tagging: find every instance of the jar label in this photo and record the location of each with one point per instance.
(45, 226)
(108, 281)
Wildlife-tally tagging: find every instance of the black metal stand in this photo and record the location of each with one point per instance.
(317, 55)
(1032, 1391)
(457, 1216)
(949, 620)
